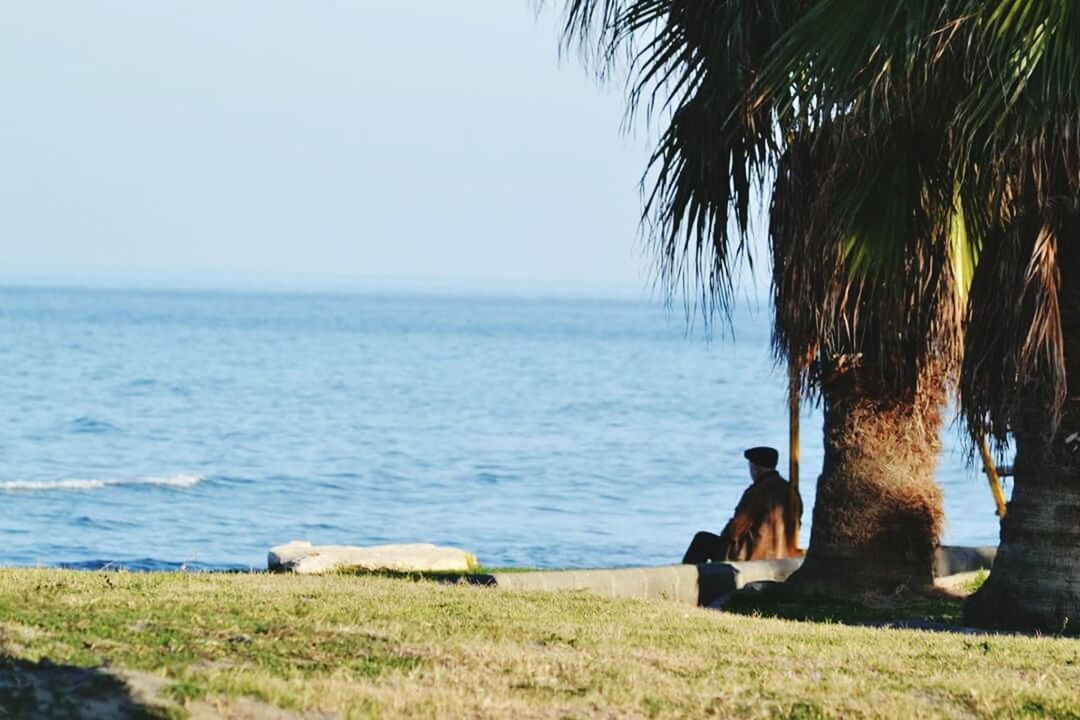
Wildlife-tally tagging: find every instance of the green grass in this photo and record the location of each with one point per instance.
(779, 602)
(360, 646)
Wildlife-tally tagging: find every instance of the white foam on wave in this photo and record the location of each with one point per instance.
(177, 481)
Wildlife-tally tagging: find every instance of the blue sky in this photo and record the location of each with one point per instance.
(317, 144)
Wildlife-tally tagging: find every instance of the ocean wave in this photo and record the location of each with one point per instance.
(86, 424)
(176, 481)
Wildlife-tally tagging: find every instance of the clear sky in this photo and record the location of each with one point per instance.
(337, 143)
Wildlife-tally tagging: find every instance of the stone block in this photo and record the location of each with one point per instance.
(302, 557)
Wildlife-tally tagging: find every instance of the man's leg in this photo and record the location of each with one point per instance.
(704, 547)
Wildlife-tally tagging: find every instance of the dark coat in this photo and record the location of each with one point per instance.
(758, 530)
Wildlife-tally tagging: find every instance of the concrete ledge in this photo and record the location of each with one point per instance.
(692, 584)
(702, 584)
(671, 582)
(758, 570)
(955, 559)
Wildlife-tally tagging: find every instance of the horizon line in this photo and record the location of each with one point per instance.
(353, 285)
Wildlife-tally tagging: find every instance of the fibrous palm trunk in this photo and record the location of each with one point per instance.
(1035, 581)
(877, 515)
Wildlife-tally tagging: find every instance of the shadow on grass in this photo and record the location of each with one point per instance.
(44, 690)
(479, 576)
(908, 610)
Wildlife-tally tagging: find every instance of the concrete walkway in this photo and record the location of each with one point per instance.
(699, 584)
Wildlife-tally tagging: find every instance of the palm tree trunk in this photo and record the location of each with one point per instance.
(1035, 581)
(878, 512)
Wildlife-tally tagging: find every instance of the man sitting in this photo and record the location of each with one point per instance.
(764, 521)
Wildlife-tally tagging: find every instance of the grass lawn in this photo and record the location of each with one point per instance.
(281, 646)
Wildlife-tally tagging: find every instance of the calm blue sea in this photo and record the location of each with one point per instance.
(198, 429)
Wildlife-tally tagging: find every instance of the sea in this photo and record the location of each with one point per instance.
(195, 430)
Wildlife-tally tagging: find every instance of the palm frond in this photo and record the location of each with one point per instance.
(997, 84)
(1014, 371)
(1019, 128)
(592, 28)
(833, 303)
(692, 63)
(877, 54)
(1024, 59)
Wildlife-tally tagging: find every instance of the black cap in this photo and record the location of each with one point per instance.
(765, 457)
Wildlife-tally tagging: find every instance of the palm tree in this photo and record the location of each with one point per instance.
(1023, 375)
(1001, 81)
(883, 357)
(878, 355)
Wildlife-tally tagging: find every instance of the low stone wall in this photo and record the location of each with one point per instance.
(955, 559)
(701, 584)
(693, 584)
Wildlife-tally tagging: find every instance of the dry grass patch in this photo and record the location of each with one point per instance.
(344, 646)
